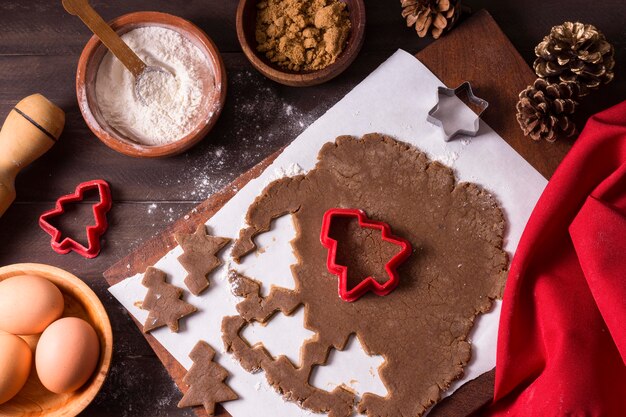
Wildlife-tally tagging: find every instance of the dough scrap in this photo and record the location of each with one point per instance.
(163, 302)
(200, 257)
(280, 373)
(456, 270)
(206, 380)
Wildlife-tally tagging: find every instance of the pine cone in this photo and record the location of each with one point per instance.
(575, 52)
(436, 15)
(544, 109)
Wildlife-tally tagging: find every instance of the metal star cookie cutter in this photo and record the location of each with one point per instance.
(479, 103)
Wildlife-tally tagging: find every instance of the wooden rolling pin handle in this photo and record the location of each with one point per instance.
(107, 36)
(31, 128)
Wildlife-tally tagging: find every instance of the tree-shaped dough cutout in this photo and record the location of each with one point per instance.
(200, 257)
(206, 380)
(163, 302)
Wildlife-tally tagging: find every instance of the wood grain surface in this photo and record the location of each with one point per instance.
(39, 48)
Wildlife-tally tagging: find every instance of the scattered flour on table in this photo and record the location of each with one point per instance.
(291, 170)
(231, 273)
(172, 105)
(263, 123)
(448, 158)
(164, 213)
(259, 120)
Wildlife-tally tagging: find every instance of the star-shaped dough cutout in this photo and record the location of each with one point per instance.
(200, 257)
(163, 302)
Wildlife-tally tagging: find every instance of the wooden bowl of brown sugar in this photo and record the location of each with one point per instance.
(247, 12)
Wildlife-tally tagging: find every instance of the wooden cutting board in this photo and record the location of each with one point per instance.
(476, 51)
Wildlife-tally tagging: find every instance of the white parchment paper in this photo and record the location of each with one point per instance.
(393, 100)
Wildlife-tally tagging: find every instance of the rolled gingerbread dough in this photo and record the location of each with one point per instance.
(457, 268)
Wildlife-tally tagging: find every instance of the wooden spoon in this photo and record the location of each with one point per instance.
(117, 46)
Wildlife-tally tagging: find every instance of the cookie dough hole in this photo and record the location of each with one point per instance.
(361, 378)
(280, 335)
(271, 263)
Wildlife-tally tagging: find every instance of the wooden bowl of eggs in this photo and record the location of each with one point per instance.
(55, 342)
(179, 113)
(247, 22)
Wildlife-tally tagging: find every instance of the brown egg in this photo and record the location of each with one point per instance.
(28, 304)
(67, 354)
(15, 361)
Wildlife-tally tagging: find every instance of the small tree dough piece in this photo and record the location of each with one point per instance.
(457, 268)
(206, 380)
(200, 257)
(163, 302)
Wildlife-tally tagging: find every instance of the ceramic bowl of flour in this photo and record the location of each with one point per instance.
(179, 113)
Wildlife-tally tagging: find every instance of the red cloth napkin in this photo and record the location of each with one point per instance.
(562, 338)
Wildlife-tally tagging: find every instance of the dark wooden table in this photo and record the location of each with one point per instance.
(39, 49)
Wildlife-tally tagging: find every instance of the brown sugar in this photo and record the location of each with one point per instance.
(302, 35)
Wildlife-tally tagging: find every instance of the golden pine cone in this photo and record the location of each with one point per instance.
(437, 16)
(575, 52)
(544, 109)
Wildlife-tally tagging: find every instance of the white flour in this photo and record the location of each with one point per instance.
(172, 105)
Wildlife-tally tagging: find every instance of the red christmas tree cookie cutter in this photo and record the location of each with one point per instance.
(94, 232)
(369, 283)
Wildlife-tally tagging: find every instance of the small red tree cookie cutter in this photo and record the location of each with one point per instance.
(369, 283)
(94, 232)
